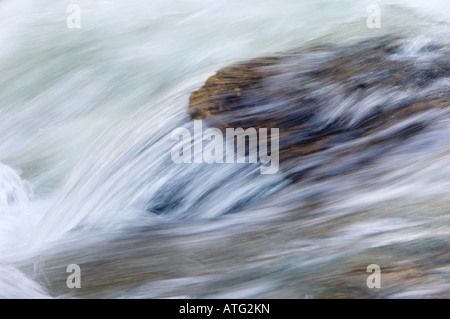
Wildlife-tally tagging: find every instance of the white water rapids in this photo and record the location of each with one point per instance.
(86, 176)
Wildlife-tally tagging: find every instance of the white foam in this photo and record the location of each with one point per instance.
(13, 190)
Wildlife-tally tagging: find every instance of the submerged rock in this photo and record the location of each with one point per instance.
(365, 97)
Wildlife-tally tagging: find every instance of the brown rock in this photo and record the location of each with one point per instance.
(325, 96)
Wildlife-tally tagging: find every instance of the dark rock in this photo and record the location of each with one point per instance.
(324, 96)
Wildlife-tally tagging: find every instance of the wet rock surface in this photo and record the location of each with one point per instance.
(367, 98)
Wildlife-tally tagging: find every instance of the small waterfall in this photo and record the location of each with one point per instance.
(134, 178)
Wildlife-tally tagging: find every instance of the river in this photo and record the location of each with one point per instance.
(86, 176)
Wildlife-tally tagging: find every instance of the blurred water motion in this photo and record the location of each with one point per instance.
(86, 175)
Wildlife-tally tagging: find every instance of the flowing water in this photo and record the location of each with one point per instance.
(86, 175)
